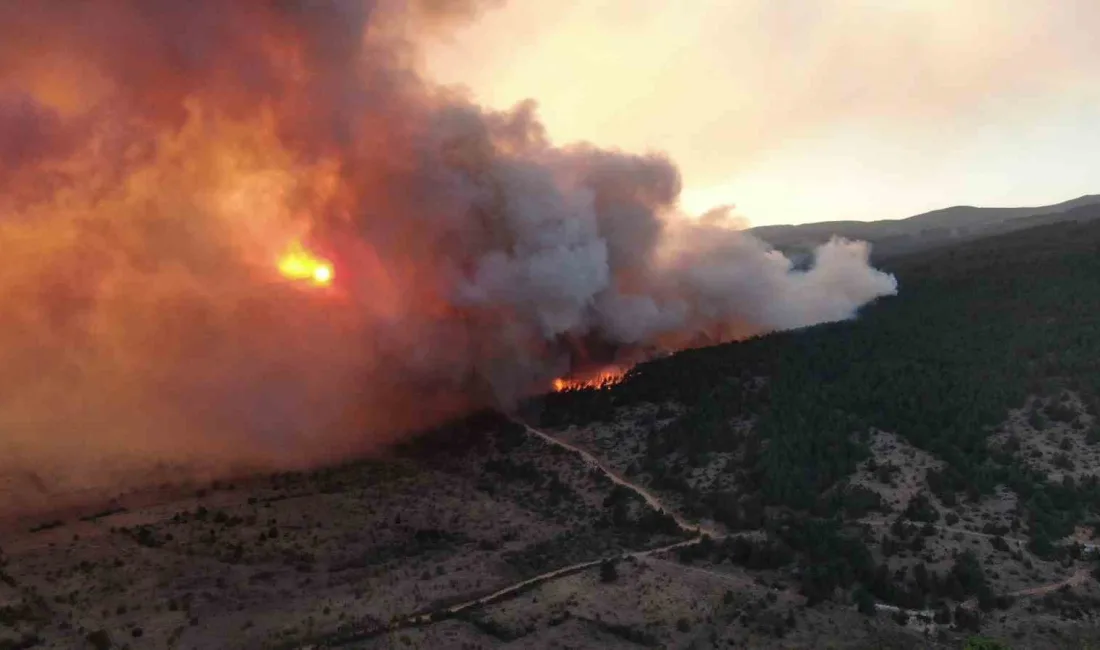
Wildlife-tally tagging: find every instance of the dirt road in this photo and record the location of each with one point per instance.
(651, 499)
(696, 530)
(591, 461)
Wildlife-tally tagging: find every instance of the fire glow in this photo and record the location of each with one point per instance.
(300, 264)
(151, 150)
(605, 378)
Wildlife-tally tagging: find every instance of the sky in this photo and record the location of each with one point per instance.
(810, 110)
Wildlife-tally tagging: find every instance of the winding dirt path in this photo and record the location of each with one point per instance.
(651, 499)
(591, 461)
(424, 618)
(696, 530)
(1079, 576)
(504, 592)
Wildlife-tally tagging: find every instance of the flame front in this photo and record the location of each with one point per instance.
(605, 378)
(300, 264)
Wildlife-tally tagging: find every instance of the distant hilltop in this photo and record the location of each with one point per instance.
(892, 237)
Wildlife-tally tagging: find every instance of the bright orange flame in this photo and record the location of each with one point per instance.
(300, 264)
(605, 378)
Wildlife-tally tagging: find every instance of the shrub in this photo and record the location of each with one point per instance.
(100, 640)
(608, 572)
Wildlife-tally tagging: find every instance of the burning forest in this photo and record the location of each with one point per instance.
(250, 234)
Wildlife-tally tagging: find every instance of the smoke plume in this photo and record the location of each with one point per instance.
(157, 158)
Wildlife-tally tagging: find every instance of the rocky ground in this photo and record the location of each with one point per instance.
(343, 556)
(280, 560)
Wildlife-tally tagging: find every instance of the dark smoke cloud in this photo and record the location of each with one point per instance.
(159, 156)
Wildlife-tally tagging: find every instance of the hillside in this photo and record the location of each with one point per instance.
(915, 478)
(985, 365)
(947, 226)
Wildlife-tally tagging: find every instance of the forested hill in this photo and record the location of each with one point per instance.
(974, 331)
(977, 330)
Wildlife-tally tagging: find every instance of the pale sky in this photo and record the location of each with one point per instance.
(810, 110)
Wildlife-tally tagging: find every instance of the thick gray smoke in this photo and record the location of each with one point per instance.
(159, 157)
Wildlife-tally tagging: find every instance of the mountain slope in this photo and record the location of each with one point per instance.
(930, 229)
(958, 422)
(913, 478)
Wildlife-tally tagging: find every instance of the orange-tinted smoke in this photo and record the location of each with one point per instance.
(160, 160)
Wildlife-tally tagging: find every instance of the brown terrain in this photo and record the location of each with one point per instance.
(496, 536)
